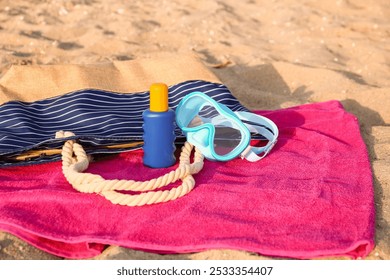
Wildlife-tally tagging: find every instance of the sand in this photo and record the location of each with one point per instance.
(271, 54)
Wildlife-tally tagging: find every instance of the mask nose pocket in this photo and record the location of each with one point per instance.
(202, 136)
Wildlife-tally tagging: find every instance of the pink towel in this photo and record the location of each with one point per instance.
(312, 196)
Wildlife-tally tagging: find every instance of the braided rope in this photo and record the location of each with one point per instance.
(75, 161)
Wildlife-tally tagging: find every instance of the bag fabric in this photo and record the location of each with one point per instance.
(98, 118)
(29, 90)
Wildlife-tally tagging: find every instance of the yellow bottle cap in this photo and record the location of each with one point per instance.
(159, 97)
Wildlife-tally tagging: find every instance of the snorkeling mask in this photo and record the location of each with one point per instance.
(221, 134)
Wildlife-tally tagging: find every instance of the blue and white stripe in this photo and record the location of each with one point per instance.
(97, 118)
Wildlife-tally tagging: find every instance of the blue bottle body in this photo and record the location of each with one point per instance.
(159, 138)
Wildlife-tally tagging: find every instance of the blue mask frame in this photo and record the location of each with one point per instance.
(202, 135)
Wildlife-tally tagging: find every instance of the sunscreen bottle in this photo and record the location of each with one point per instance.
(159, 129)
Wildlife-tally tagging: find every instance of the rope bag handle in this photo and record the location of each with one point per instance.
(75, 161)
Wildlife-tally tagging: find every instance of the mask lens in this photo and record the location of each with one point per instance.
(227, 134)
(226, 140)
